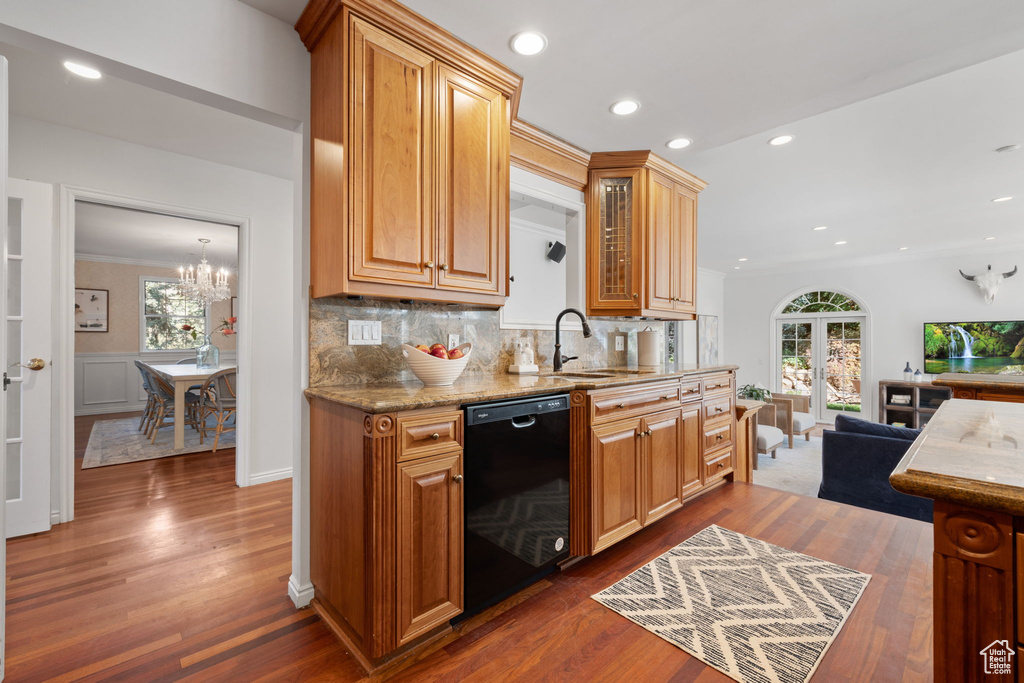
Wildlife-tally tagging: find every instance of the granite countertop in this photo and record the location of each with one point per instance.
(391, 397)
(970, 454)
(967, 380)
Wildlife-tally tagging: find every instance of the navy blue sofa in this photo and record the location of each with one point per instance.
(856, 461)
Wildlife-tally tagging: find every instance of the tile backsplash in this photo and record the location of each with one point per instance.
(333, 361)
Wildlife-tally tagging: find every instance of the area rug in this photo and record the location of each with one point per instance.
(796, 469)
(115, 442)
(752, 610)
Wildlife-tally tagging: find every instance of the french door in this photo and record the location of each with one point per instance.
(822, 357)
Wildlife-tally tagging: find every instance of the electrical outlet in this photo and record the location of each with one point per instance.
(364, 333)
(620, 342)
(453, 341)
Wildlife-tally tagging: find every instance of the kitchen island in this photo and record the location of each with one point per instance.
(969, 461)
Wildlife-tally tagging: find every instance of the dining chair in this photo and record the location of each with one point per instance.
(189, 361)
(165, 416)
(218, 399)
(150, 410)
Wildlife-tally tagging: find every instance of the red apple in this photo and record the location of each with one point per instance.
(455, 353)
(439, 351)
(423, 347)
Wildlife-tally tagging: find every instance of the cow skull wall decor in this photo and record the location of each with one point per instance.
(988, 282)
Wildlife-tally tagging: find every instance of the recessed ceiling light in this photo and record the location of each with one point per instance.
(904, 248)
(989, 238)
(1002, 199)
(840, 242)
(625, 107)
(82, 70)
(820, 227)
(781, 140)
(528, 43)
(735, 267)
(1007, 148)
(678, 143)
(742, 259)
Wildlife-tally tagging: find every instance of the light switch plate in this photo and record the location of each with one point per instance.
(453, 341)
(364, 333)
(620, 342)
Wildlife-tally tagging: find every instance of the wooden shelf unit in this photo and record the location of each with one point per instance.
(925, 399)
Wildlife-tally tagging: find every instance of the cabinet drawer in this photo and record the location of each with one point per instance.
(718, 436)
(690, 391)
(428, 434)
(718, 384)
(718, 408)
(612, 404)
(719, 465)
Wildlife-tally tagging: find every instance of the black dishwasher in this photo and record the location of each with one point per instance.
(516, 495)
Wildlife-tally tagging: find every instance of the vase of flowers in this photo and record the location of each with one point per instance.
(207, 355)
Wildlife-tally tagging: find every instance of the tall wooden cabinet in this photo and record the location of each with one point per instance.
(642, 236)
(410, 157)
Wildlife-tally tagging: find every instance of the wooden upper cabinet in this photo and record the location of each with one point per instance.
(615, 222)
(473, 143)
(429, 559)
(642, 236)
(410, 126)
(391, 143)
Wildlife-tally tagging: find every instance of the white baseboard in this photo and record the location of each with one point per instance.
(300, 595)
(272, 475)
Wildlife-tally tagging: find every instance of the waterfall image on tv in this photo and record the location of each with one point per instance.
(990, 348)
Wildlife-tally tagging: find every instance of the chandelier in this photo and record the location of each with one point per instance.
(201, 284)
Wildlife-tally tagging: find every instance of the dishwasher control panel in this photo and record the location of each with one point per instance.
(506, 410)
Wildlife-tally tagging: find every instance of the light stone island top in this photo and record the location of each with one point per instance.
(392, 397)
(970, 453)
(967, 380)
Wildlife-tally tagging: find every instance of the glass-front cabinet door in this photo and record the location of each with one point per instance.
(613, 267)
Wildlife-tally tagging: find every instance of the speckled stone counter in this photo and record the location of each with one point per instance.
(392, 397)
(970, 453)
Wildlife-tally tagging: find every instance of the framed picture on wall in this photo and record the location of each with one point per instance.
(707, 340)
(92, 308)
(234, 305)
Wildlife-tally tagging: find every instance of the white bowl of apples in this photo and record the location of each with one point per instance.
(435, 365)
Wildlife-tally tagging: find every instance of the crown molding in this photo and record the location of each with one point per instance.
(549, 156)
(125, 260)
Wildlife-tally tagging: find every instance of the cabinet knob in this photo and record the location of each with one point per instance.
(444, 266)
(721, 465)
(719, 409)
(642, 434)
(635, 295)
(429, 264)
(457, 478)
(620, 405)
(650, 432)
(435, 436)
(719, 437)
(667, 398)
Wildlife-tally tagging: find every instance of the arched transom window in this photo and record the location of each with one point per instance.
(821, 302)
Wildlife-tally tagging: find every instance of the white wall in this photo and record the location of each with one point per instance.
(54, 154)
(710, 301)
(219, 52)
(900, 297)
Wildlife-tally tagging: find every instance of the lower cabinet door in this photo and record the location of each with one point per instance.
(662, 465)
(429, 555)
(692, 449)
(615, 468)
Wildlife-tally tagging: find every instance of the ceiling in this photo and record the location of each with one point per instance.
(40, 88)
(896, 107)
(150, 238)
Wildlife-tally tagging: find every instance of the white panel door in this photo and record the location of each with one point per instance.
(29, 321)
(3, 346)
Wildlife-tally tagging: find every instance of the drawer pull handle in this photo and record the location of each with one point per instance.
(435, 436)
(620, 405)
(719, 437)
(721, 465)
(667, 398)
(457, 478)
(719, 409)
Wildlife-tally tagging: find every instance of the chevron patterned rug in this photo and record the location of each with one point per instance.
(752, 610)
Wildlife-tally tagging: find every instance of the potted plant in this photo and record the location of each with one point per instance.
(755, 392)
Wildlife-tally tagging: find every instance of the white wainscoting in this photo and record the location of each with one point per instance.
(110, 382)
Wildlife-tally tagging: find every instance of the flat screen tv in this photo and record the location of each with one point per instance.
(988, 347)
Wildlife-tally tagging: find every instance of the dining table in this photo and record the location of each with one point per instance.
(181, 377)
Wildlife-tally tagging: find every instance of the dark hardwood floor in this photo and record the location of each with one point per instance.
(170, 572)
